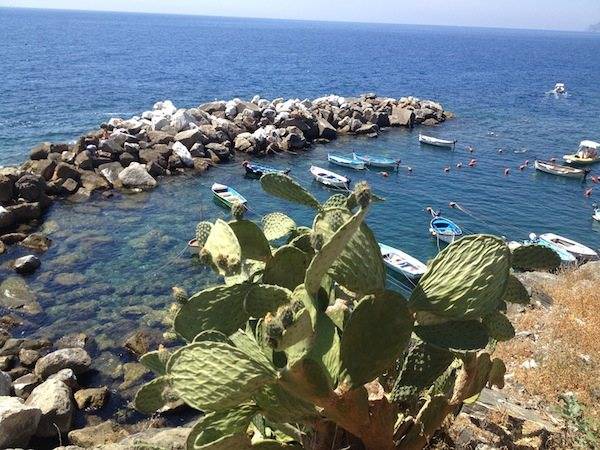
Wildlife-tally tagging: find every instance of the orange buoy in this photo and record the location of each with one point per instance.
(506, 171)
(588, 192)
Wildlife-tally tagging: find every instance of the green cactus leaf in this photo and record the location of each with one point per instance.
(460, 336)
(247, 343)
(223, 249)
(499, 327)
(287, 267)
(265, 298)
(223, 430)
(331, 250)
(216, 376)
(428, 421)
(302, 242)
(339, 313)
(156, 361)
(277, 225)
(466, 280)
(300, 329)
(285, 187)
(376, 334)
(535, 257)
(336, 201)
(483, 366)
(203, 230)
(252, 241)
(497, 373)
(516, 292)
(219, 308)
(149, 398)
(212, 336)
(423, 365)
(279, 406)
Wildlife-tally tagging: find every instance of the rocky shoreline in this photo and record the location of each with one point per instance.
(132, 155)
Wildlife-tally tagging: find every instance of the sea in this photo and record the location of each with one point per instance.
(113, 262)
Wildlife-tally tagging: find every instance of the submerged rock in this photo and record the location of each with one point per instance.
(36, 241)
(18, 422)
(16, 294)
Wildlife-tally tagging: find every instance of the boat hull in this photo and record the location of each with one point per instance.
(574, 159)
(558, 170)
(346, 162)
(329, 179)
(400, 263)
(226, 196)
(193, 247)
(435, 142)
(380, 163)
(579, 251)
(445, 230)
(257, 171)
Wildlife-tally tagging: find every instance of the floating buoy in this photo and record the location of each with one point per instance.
(522, 167)
(588, 192)
(472, 163)
(526, 162)
(506, 171)
(458, 165)
(409, 169)
(500, 150)
(446, 169)
(384, 174)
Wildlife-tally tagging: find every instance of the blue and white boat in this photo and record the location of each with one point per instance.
(402, 263)
(227, 196)
(381, 162)
(258, 170)
(344, 161)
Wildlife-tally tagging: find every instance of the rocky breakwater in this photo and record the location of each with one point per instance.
(132, 154)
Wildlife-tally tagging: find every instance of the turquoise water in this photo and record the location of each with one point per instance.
(114, 261)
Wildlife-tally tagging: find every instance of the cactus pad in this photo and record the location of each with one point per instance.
(212, 336)
(499, 327)
(535, 257)
(219, 308)
(277, 225)
(336, 201)
(216, 376)
(203, 230)
(516, 292)
(466, 280)
(423, 365)
(278, 405)
(375, 335)
(149, 398)
(497, 372)
(285, 187)
(156, 361)
(223, 249)
(264, 298)
(223, 430)
(287, 267)
(253, 243)
(460, 336)
(246, 342)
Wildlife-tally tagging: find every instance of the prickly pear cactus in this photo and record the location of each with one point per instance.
(499, 327)
(336, 201)
(287, 267)
(222, 249)
(466, 280)
(277, 225)
(466, 335)
(535, 257)
(285, 187)
(253, 243)
(516, 292)
(203, 230)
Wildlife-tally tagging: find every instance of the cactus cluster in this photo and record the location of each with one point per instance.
(295, 347)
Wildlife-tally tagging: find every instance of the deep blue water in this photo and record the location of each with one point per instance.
(63, 73)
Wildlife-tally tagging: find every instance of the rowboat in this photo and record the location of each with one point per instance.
(557, 169)
(227, 196)
(444, 229)
(586, 154)
(404, 264)
(436, 142)
(344, 161)
(330, 179)
(579, 251)
(258, 170)
(378, 161)
(565, 257)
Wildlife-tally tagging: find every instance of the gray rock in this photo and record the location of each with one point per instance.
(85, 160)
(183, 153)
(36, 241)
(53, 398)
(171, 438)
(111, 171)
(44, 167)
(105, 433)
(127, 158)
(16, 294)
(91, 181)
(159, 137)
(24, 212)
(189, 137)
(40, 151)
(18, 422)
(136, 176)
(75, 340)
(326, 130)
(5, 384)
(64, 171)
(76, 359)
(27, 264)
(30, 187)
(93, 398)
(67, 376)
(25, 385)
(6, 188)
(7, 218)
(28, 357)
(402, 117)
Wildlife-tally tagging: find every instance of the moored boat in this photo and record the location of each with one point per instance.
(344, 161)
(381, 162)
(596, 215)
(436, 142)
(402, 263)
(586, 154)
(567, 259)
(444, 229)
(559, 89)
(330, 179)
(562, 171)
(579, 251)
(227, 196)
(258, 170)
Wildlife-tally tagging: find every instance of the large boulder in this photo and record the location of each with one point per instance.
(93, 398)
(326, 130)
(18, 422)
(189, 137)
(76, 359)
(43, 167)
(37, 242)
(5, 384)
(64, 171)
(91, 181)
(111, 171)
(6, 188)
(402, 117)
(53, 398)
(27, 264)
(85, 160)
(7, 218)
(16, 294)
(24, 212)
(30, 187)
(25, 385)
(40, 151)
(183, 153)
(159, 137)
(136, 176)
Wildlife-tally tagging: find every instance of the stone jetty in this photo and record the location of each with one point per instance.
(133, 154)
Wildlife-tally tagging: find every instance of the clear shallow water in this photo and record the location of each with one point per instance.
(65, 72)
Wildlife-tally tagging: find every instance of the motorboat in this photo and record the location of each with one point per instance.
(586, 154)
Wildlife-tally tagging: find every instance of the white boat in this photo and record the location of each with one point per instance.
(587, 153)
(402, 263)
(596, 215)
(559, 89)
(344, 161)
(557, 169)
(329, 178)
(436, 142)
(579, 251)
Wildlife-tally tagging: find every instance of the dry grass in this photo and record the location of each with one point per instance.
(565, 343)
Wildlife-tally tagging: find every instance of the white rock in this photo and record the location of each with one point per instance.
(136, 176)
(111, 171)
(529, 364)
(18, 422)
(5, 384)
(53, 398)
(167, 107)
(263, 103)
(159, 122)
(76, 359)
(181, 150)
(115, 122)
(182, 120)
(231, 110)
(255, 99)
(147, 115)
